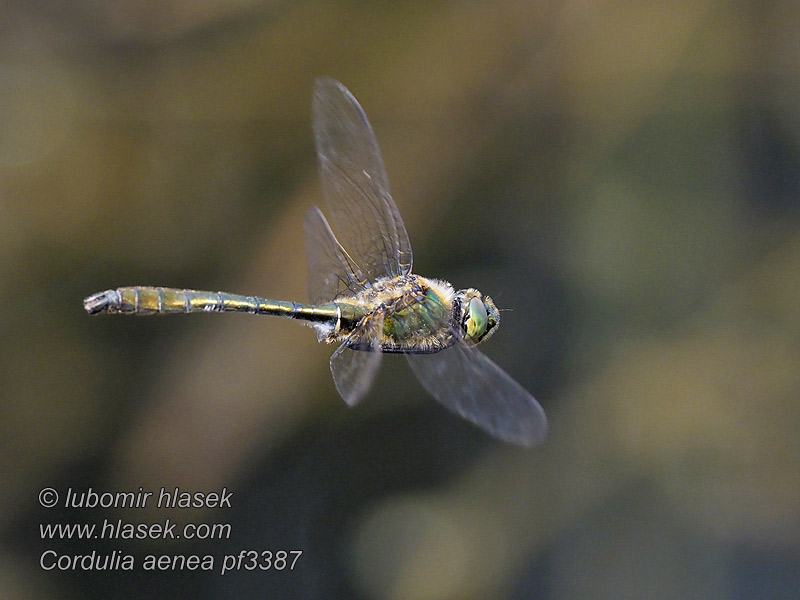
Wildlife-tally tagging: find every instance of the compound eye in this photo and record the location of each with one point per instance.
(477, 320)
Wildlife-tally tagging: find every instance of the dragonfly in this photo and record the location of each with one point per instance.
(363, 295)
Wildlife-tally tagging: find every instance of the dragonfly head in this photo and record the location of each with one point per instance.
(479, 315)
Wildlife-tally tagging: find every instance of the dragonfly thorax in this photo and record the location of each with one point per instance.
(417, 315)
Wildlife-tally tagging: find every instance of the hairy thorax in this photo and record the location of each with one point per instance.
(417, 315)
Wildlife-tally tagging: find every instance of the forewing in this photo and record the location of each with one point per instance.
(354, 183)
(354, 370)
(467, 382)
(331, 271)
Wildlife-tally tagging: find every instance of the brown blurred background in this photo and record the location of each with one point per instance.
(624, 176)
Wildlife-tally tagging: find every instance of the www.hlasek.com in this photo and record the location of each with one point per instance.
(119, 529)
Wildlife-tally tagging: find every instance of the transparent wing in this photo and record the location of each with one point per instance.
(354, 370)
(354, 183)
(467, 382)
(331, 271)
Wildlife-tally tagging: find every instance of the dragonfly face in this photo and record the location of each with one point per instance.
(480, 315)
(363, 294)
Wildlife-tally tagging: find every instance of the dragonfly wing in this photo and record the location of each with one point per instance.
(354, 370)
(354, 183)
(467, 382)
(331, 271)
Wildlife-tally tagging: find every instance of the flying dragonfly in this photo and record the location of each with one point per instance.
(363, 294)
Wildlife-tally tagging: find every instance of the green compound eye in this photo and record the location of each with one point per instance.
(477, 321)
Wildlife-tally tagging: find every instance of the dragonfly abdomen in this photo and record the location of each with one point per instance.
(142, 300)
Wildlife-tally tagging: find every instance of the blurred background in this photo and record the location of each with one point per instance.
(623, 176)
